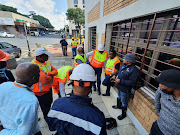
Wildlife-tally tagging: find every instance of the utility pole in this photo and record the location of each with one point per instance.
(29, 50)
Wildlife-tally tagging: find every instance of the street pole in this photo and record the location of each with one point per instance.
(29, 51)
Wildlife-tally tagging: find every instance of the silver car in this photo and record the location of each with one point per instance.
(6, 34)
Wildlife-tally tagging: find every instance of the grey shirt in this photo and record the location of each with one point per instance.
(169, 109)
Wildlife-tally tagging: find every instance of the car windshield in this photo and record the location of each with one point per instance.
(7, 45)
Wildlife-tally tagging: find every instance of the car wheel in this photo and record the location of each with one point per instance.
(18, 54)
(6, 36)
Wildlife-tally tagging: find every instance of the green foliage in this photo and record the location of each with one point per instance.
(43, 21)
(76, 15)
(10, 9)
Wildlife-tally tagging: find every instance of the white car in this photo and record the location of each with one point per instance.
(34, 33)
(6, 34)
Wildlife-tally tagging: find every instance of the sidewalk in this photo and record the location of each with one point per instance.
(125, 127)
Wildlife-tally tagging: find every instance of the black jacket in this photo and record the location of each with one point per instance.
(128, 77)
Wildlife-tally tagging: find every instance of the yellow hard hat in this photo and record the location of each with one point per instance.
(82, 36)
(72, 37)
(77, 38)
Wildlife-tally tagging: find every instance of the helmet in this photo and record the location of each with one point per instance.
(101, 47)
(82, 36)
(4, 56)
(83, 72)
(169, 78)
(72, 37)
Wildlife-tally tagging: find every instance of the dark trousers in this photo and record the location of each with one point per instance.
(98, 72)
(39, 133)
(155, 129)
(45, 102)
(107, 82)
(64, 49)
(74, 52)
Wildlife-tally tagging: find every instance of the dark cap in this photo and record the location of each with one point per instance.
(130, 57)
(170, 78)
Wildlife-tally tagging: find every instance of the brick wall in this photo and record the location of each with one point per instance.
(96, 40)
(111, 6)
(94, 14)
(103, 38)
(142, 106)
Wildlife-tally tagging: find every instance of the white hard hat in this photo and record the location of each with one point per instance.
(101, 47)
(83, 72)
(41, 51)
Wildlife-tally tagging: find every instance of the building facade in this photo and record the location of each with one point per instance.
(150, 29)
(72, 27)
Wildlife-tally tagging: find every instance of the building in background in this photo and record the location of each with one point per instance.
(150, 29)
(72, 27)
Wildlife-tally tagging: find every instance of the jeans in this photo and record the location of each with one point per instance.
(123, 97)
(45, 102)
(74, 52)
(98, 72)
(155, 129)
(64, 49)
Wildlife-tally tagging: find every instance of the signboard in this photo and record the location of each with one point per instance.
(6, 21)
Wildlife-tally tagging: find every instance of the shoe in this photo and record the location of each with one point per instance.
(99, 92)
(123, 115)
(106, 94)
(118, 106)
(94, 88)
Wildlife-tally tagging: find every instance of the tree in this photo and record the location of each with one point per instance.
(43, 21)
(76, 15)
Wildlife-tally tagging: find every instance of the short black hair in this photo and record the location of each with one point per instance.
(113, 51)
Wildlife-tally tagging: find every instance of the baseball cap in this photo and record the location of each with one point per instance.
(41, 51)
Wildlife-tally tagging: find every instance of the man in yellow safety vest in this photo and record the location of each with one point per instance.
(80, 57)
(112, 68)
(97, 61)
(82, 42)
(74, 47)
(61, 79)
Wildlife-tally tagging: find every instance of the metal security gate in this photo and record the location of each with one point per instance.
(154, 39)
(92, 38)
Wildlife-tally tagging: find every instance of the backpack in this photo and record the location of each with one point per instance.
(3, 76)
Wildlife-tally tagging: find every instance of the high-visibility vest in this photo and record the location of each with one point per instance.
(73, 44)
(81, 58)
(39, 87)
(175, 60)
(82, 41)
(98, 59)
(62, 76)
(110, 65)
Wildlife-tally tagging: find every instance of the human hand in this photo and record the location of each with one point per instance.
(117, 81)
(158, 114)
(113, 77)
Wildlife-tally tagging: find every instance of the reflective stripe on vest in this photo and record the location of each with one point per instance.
(82, 41)
(98, 59)
(110, 65)
(63, 74)
(81, 58)
(74, 44)
(39, 87)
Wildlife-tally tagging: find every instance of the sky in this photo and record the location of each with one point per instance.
(54, 10)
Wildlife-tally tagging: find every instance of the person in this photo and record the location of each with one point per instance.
(61, 79)
(64, 45)
(82, 42)
(126, 80)
(76, 115)
(74, 48)
(43, 89)
(97, 61)
(167, 104)
(18, 104)
(5, 74)
(80, 57)
(112, 68)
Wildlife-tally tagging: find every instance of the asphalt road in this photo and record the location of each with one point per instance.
(42, 40)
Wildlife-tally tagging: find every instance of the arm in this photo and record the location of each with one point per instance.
(103, 129)
(157, 100)
(89, 54)
(132, 79)
(10, 75)
(79, 61)
(28, 122)
(117, 66)
(53, 72)
(44, 79)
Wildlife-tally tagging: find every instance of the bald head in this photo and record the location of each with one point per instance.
(27, 73)
(80, 50)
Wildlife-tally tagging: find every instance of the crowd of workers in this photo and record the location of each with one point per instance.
(75, 114)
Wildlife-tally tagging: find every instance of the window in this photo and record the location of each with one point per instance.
(75, 5)
(155, 41)
(7, 45)
(83, 1)
(92, 34)
(75, 1)
(1, 47)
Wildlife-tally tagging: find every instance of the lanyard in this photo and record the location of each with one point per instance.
(17, 85)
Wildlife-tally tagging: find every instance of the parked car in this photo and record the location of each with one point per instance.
(6, 34)
(34, 33)
(11, 49)
(43, 34)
